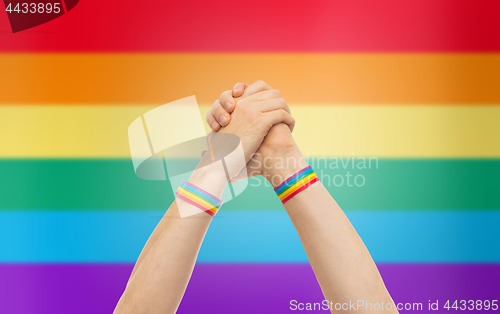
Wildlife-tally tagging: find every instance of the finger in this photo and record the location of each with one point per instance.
(238, 89)
(256, 87)
(272, 104)
(260, 96)
(279, 116)
(212, 123)
(220, 114)
(226, 100)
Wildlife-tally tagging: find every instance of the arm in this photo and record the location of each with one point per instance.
(341, 262)
(161, 274)
(165, 265)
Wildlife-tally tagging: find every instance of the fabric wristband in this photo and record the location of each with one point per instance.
(199, 198)
(296, 184)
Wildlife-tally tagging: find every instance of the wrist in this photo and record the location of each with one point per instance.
(210, 177)
(202, 192)
(285, 163)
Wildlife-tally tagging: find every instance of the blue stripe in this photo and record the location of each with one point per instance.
(188, 191)
(294, 180)
(200, 194)
(257, 236)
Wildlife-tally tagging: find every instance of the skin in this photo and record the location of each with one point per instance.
(278, 137)
(164, 267)
(341, 262)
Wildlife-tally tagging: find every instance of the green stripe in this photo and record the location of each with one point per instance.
(111, 184)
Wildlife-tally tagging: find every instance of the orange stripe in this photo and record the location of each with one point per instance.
(302, 78)
(303, 187)
(195, 198)
(298, 185)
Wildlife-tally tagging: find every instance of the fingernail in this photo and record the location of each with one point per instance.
(235, 91)
(222, 119)
(228, 105)
(214, 125)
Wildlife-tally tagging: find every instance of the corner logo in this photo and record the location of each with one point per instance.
(27, 14)
(167, 143)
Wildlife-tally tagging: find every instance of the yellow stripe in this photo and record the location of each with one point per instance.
(371, 130)
(197, 199)
(297, 185)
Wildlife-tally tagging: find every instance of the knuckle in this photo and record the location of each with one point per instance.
(287, 109)
(262, 85)
(207, 116)
(218, 111)
(215, 105)
(276, 93)
(225, 94)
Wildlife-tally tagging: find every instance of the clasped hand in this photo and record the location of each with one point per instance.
(262, 120)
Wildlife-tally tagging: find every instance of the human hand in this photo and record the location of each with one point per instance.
(256, 114)
(278, 156)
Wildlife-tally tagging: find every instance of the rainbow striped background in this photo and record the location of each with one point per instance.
(414, 83)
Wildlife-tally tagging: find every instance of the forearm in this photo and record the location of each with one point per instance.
(165, 265)
(341, 262)
(161, 278)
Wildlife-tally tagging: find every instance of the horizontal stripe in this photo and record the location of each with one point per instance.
(95, 184)
(195, 198)
(296, 180)
(300, 189)
(297, 185)
(382, 131)
(389, 25)
(200, 193)
(306, 171)
(248, 237)
(208, 209)
(302, 78)
(241, 288)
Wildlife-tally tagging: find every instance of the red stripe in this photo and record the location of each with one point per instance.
(264, 26)
(300, 190)
(202, 191)
(211, 213)
(208, 211)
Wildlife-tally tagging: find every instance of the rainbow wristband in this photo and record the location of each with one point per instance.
(296, 184)
(199, 198)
